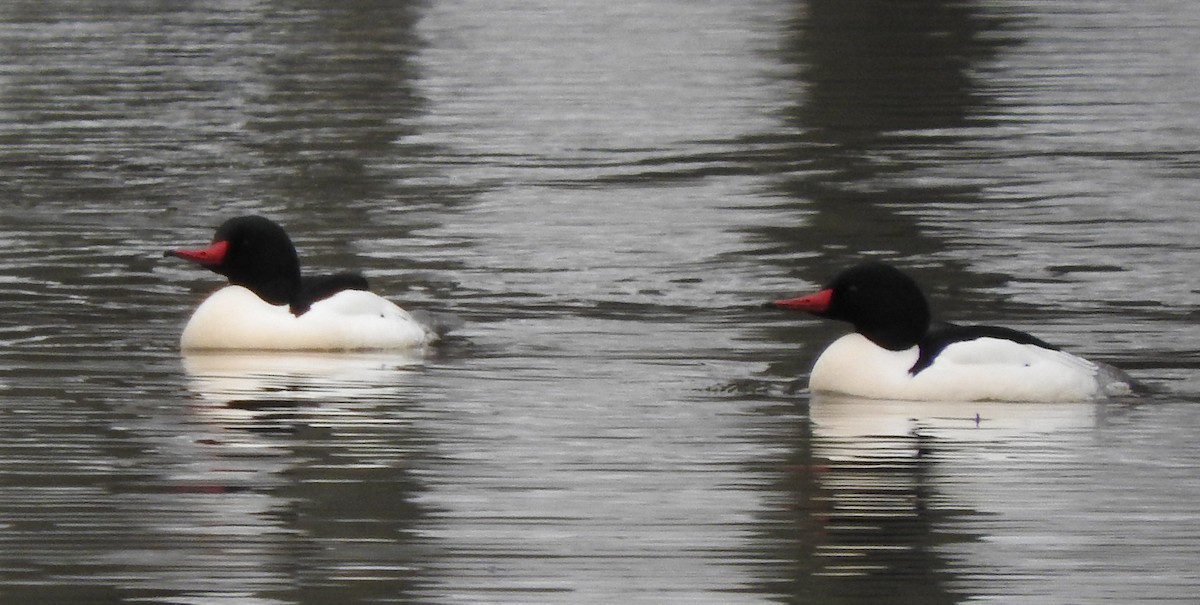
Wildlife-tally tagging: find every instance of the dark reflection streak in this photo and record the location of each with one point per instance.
(876, 77)
(343, 452)
(340, 91)
(356, 521)
(862, 521)
(328, 137)
(134, 109)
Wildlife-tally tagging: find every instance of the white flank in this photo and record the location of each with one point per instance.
(235, 318)
(976, 370)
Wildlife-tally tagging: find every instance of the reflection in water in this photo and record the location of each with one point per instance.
(855, 420)
(274, 479)
(337, 97)
(600, 188)
(224, 378)
(330, 440)
(877, 71)
(887, 89)
(876, 491)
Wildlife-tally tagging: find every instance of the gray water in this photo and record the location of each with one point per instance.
(604, 193)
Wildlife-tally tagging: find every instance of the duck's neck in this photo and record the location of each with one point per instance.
(897, 331)
(284, 290)
(895, 324)
(894, 338)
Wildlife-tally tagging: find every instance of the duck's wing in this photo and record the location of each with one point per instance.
(942, 334)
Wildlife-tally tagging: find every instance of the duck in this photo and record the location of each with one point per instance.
(269, 305)
(898, 351)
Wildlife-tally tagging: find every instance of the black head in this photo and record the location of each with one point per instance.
(253, 252)
(882, 303)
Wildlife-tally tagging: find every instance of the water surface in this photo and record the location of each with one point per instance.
(604, 193)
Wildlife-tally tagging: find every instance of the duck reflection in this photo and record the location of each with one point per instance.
(882, 490)
(327, 444)
(262, 380)
(858, 424)
(886, 94)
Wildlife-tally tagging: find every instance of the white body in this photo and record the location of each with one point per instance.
(982, 369)
(235, 318)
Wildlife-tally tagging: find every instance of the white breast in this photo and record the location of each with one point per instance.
(981, 369)
(235, 318)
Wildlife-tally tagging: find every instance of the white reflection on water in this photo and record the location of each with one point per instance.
(265, 401)
(584, 181)
(221, 377)
(327, 445)
(890, 472)
(1035, 503)
(856, 424)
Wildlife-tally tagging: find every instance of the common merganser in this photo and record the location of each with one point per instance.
(270, 306)
(899, 352)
